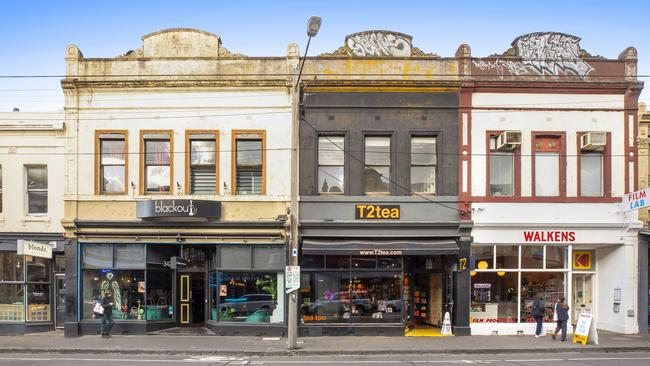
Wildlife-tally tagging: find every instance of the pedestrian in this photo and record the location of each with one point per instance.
(561, 308)
(107, 315)
(538, 313)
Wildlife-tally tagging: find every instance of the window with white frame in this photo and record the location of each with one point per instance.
(377, 165)
(331, 164)
(508, 278)
(36, 189)
(423, 164)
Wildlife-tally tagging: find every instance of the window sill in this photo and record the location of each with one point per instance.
(35, 218)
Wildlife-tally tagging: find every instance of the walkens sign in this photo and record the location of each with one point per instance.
(178, 208)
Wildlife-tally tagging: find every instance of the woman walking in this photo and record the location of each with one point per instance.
(538, 313)
(562, 310)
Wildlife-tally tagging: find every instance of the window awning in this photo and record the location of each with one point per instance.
(379, 247)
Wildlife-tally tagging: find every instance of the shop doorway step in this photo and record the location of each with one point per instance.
(185, 331)
(424, 332)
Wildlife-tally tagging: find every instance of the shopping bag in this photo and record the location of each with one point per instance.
(98, 308)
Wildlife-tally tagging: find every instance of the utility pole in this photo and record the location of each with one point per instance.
(312, 29)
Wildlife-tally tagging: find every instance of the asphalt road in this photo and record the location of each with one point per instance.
(568, 359)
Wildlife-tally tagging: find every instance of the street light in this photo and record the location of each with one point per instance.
(312, 29)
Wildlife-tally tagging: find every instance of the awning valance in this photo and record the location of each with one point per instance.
(379, 247)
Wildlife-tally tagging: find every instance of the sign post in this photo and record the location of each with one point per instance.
(292, 278)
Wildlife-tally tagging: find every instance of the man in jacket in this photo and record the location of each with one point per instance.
(107, 316)
(538, 313)
(562, 310)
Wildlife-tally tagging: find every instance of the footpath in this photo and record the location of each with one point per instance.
(54, 342)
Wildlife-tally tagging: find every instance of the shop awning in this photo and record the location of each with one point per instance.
(379, 247)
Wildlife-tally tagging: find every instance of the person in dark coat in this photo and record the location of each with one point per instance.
(107, 316)
(538, 313)
(561, 308)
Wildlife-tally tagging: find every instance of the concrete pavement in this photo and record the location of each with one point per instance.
(54, 342)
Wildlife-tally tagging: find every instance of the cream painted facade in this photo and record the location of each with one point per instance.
(31, 139)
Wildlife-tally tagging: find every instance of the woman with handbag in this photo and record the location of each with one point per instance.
(562, 310)
(107, 315)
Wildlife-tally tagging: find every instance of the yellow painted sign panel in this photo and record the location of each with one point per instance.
(582, 260)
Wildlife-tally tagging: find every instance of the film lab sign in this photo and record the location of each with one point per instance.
(34, 248)
(636, 200)
(376, 212)
(178, 208)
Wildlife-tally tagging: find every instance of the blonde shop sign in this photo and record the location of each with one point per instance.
(34, 248)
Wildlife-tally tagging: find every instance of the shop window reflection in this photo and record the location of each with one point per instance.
(494, 297)
(128, 291)
(247, 297)
(548, 286)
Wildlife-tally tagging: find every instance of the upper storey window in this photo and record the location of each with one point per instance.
(202, 162)
(249, 162)
(157, 162)
(331, 164)
(593, 146)
(548, 162)
(36, 181)
(112, 172)
(377, 165)
(423, 165)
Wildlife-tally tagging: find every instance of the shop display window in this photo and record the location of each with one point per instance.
(38, 302)
(546, 285)
(38, 269)
(128, 287)
(236, 257)
(532, 256)
(313, 261)
(484, 256)
(375, 297)
(556, 257)
(11, 267)
(354, 292)
(160, 299)
(494, 297)
(248, 297)
(12, 302)
(507, 256)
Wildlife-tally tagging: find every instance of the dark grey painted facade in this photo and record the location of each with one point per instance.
(400, 115)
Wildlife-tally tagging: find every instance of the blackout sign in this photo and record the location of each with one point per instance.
(178, 208)
(376, 212)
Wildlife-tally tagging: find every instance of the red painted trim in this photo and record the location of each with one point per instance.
(549, 199)
(550, 109)
(607, 164)
(561, 135)
(538, 87)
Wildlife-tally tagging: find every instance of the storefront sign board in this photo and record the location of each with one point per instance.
(292, 278)
(178, 208)
(549, 236)
(582, 260)
(368, 211)
(636, 200)
(582, 331)
(34, 248)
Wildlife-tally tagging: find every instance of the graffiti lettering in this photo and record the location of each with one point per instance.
(379, 43)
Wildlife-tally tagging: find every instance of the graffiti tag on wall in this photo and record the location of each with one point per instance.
(542, 54)
(379, 43)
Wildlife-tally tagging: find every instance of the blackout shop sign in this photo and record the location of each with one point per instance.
(376, 212)
(178, 208)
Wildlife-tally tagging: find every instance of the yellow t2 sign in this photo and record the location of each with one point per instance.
(376, 212)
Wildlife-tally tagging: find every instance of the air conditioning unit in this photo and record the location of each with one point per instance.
(594, 141)
(509, 140)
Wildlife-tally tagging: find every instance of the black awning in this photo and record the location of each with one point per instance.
(379, 247)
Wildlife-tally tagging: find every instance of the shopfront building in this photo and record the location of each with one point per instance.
(552, 150)
(383, 246)
(181, 210)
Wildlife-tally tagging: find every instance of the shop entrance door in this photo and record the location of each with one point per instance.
(426, 299)
(191, 299)
(59, 316)
(582, 294)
